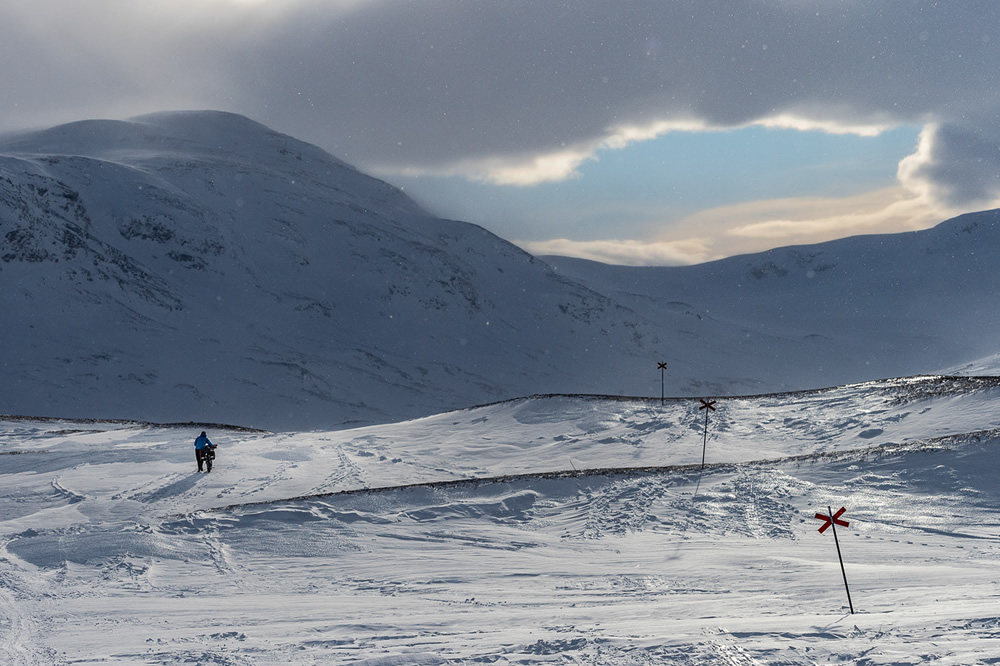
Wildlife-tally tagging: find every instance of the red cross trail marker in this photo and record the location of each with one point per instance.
(708, 406)
(831, 519)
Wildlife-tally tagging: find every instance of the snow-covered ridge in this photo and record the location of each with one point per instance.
(581, 435)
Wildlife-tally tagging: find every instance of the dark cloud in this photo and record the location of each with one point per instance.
(425, 85)
(441, 80)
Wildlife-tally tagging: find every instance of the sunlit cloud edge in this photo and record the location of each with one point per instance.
(526, 170)
(758, 226)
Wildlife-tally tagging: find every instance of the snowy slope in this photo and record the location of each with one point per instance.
(554, 529)
(200, 266)
(848, 310)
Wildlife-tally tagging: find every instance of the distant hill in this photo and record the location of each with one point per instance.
(200, 266)
(854, 309)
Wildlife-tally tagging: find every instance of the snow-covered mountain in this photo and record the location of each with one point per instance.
(848, 310)
(199, 266)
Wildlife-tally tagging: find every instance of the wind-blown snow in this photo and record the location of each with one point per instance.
(553, 529)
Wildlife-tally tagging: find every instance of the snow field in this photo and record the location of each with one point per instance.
(554, 529)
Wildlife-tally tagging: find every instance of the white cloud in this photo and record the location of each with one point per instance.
(625, 252)
(818, 220)
(532, 169)
(760, 225)
(910, 166)
(624, 135)
(806, 124)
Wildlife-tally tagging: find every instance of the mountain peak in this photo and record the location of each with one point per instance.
(216, 135)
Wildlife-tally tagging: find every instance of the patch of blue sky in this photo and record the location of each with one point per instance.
(636, 190)
(713, 168)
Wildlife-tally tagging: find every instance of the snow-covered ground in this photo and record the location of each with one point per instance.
(553, 529)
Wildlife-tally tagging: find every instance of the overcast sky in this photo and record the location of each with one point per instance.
(651, 131)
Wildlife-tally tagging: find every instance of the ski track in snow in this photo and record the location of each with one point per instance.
(375, 546)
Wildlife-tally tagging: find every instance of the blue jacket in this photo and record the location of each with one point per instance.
(202, 443)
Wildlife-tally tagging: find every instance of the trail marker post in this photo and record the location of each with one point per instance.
(831, 519)
(708, 406)
(662, 366)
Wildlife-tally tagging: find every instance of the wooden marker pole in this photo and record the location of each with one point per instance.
(708, 406)
(662, 365)
(831, 519)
